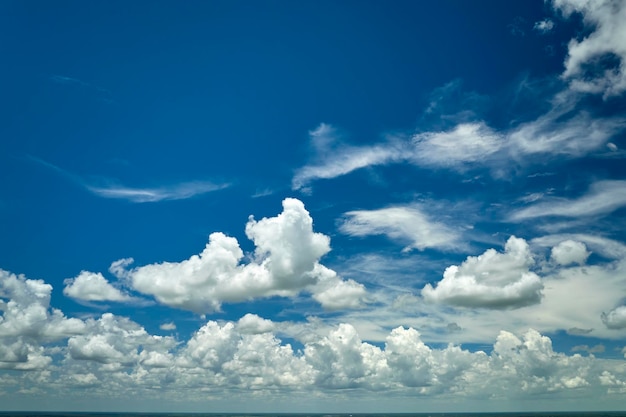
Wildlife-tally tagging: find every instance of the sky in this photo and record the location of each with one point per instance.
(312, 206)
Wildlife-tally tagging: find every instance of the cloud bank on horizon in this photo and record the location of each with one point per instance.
(473, 261)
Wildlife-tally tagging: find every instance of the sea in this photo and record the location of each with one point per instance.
(473, 414)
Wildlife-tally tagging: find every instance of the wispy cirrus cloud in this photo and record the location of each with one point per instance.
(595, 64)
(334, 159)
(408, 223)
(603, 197)
(105, 94)
(179, 191)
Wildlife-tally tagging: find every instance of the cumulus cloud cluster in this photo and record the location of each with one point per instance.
(285, 262)
(119, 354)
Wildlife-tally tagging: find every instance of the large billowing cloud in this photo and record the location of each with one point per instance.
(285, 262)
(491, 280)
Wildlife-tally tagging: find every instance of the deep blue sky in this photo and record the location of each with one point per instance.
(461, 164)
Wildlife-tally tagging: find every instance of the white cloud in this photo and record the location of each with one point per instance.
(336, 294)
(285, 262)
(90, 286)
(607, 248)
(114, 340)
(465, 144)
(150, 195)
(616, 318)
(337, 160)
(491, 280)
(544, 26)
(561, 131)
(115, 190)
(168, 326)
(585, 66)
(570, 252)
(27, 321)
(602, 198)
(405, 223)
(253, 324)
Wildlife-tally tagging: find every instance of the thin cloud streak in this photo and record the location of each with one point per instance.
(180, 191)
(150, 195)
(603, 197)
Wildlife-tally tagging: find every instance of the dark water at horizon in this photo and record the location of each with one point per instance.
(166, 414)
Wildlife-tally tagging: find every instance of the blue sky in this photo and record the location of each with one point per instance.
(312, 206)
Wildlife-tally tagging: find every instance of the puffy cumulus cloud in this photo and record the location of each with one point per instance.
(224, 358)
(231, 355)
(253, 324)
(27, 321)
(597, 63)
(603, 197)
(531, 365)
(340, 294)
(285, 262)
(342, 360)
(409, 358)
(90, 286)
(491, 280)
(569, 252)
(118, 341)
(615, 319)
(168, 326)
(608, 248)
(404, 223)
(333, 293)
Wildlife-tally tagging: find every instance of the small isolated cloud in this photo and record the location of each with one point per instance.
(404, 223)
(577, 331)
(570, 252)
(168, 326)
(602, 198)
(585, 348)
(89, 286)
(615, 319)
(544, 26)
(491, 280)
(597, 62)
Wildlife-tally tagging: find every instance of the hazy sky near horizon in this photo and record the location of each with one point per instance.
(313, 205)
